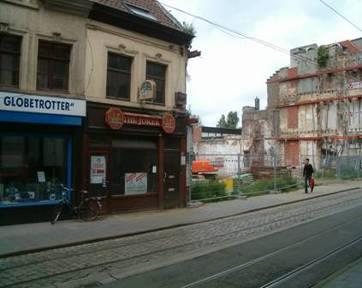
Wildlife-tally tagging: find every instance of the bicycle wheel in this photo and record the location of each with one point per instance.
(89, 212)
(56, 213)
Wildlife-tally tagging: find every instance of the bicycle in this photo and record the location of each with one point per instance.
(87, 210)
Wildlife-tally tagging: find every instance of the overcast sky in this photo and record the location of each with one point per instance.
(231, 71)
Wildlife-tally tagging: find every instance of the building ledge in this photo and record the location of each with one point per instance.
(322, 101)
(310, 75)
(77, 7)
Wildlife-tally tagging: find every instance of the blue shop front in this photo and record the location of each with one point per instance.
(40, 137)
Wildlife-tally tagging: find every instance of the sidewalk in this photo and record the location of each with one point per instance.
(27, 237)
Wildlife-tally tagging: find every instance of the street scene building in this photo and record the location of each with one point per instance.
(318, 101)
(93, 97)
(313, 108)
(220, 147)
(125, 164)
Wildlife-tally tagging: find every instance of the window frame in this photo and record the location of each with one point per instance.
(68, 165)
(51, 60)
(120, 71)
(14, 54)
(150, 148)
(156, 78)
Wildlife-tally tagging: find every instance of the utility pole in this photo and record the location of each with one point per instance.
(273, 154)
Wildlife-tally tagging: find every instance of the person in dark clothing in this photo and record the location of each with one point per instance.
(307, 174)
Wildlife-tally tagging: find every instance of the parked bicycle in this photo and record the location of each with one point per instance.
(87, 210)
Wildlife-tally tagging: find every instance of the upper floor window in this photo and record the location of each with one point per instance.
(119, 76)
(53, 65)
(9, 60)
(157, 73)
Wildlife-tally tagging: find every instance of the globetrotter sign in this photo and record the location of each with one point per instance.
(40, 104)
(115, 118)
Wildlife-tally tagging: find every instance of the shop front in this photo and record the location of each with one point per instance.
(38, 142)
(135, 160)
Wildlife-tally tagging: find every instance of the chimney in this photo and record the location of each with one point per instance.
(257, 104)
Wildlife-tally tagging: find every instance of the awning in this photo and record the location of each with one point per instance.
(39, 118)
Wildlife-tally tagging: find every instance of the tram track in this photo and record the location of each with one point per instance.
(155, 246)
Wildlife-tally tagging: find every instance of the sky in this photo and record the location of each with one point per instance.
(232, 71)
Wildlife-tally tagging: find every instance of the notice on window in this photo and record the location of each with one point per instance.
(135, 183)
(97, 169)
(41, 176)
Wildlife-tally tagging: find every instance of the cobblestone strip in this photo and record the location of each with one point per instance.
(121, 254)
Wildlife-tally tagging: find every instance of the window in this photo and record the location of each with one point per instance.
(9, 59)
(31, 168)
(53, 66)
(134, 166)
(119, 76)
(141, 12)
(157, 73)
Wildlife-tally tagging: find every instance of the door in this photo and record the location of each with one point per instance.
(171, 179)
(98, 173)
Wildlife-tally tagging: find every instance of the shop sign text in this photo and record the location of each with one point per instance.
(41, 104)
(115, 118)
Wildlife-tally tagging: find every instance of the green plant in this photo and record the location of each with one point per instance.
(325, 174)
(188, 28)
(349, 174)
(323, 56)
(264, 186)
(207, 190)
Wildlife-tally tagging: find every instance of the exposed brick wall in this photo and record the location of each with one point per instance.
(292, 153)
(350, 46)
(293, 117)
(292, 72)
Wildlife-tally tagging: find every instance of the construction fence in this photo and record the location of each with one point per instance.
(236, 175)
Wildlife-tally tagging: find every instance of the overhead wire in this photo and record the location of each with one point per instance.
(228, 30)
(340, 15)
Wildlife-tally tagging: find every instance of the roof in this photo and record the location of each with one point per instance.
(152, 6)
(147, 17)
(221, 130)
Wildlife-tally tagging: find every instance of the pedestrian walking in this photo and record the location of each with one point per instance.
(308, 175)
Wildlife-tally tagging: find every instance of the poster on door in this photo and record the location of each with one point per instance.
(135, 183)
(97, 169)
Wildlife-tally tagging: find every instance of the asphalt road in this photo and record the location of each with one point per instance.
(260, 261)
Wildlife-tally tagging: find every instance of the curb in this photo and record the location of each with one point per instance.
(99, 239)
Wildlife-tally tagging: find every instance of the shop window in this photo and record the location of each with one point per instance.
(53, 65)
(157, 73)
(9, 59)
(32, 169)
(119, 76)
(134, 167)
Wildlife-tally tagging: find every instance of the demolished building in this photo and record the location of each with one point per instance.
(314, 107)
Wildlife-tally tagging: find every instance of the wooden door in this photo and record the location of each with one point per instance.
(171, 179)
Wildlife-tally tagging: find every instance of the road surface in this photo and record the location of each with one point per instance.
(242, 251)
